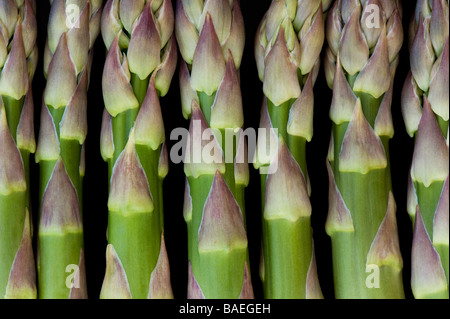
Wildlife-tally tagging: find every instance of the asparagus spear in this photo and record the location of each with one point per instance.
(364, 38)
(18, 60)
(72, 29)
(287, 48)
(425, 107)
(211, 36)
(139, 67)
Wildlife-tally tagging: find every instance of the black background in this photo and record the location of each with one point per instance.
(95, 183)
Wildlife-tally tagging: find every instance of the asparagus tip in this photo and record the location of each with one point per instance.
(222, 227)
(130, 191)
(22, 278)
(427, 275)
(115, 284)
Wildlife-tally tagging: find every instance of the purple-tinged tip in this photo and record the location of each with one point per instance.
(235, 40)
(57, 23)
(304, 10)
(411, 200)
(227, 110)
(95, 21)
(48, 55)
(274, 18)
(329, 66)
(130, 192)
(117, 91)
(25, 130)
(129, 11)
(79, 288)
(353, 49)
(389, 6)
(347, 8)
(144, 49)
(375, 77)
(48, 144)
(439, 25)
(163, 163)
(111, 25)
(9, 15)
(166, 69)
(300, 121)
(394, 35)
(222, 226)
(186, 33)
(149, 126)
(115, 284)
(203, 155)
(333, 27)
(344, 100)
(29, 27)
(427, 273)
(384, 125)
(286, 195)
(22, 278)
(385, 248)
(160, 286)
(32, 63)
(431, 156)
(61, 77)
(259, 50)
(14, 76)
(165, 17)
(267, 138)
(106, 137)
(73, 125)
(186, 91)
(422, 55)
(60, 211)
(339, 217)
(280, 75)
(362, 150)
(208, 56)
(370, 22)
(221, 15)
(78, 40)
(247, 287)
(411, 105)
(441, 216)
(312, 42)
(438, 94)
(313, 290)
(194, 290)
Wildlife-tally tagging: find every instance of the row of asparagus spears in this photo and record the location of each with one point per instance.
(363, 40)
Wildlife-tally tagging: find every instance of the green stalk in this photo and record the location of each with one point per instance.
(288, 73)
(361, 222)
(132, 143)
(208, 264)
(13, 109)
(425, 112)
(214, 208)
(17, 65)
(63, 129)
